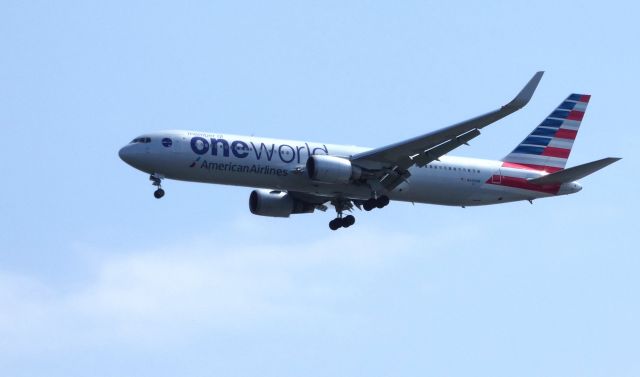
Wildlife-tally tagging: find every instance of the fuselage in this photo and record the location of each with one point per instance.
(279, 164)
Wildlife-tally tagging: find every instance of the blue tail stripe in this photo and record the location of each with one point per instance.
(567, 105)
(541, 141)
(551, 123)
(560, 114)
(528, 149)
(544, 132)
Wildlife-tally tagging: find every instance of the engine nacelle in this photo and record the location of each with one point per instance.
(332, 169)
(276, 204)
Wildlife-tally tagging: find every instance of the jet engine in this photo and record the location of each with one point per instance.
(332, 169)
(276, 204)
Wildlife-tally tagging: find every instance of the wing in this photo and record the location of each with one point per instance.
(421, 150)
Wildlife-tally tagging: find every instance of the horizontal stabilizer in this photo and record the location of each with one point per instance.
(574, 173)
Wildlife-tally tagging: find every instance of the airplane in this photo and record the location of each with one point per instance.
(294, 177)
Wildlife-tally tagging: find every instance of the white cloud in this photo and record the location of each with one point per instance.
(154, 296)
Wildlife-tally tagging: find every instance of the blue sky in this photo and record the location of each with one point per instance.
(99, 278)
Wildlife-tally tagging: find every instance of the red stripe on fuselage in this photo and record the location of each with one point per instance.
(522, 183)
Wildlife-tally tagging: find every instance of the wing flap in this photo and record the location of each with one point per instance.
(434, 153)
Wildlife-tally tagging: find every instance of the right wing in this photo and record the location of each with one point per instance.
(398, 157)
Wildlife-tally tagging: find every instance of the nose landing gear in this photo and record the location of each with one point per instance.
(156, 180)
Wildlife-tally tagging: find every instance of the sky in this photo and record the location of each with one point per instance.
(99, 278)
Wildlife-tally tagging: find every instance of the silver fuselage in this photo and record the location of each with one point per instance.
(279, 164)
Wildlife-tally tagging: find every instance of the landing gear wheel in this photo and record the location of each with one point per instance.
(335, 224)
(348, 220)
(159, 193)
(341, 221)
(156, 180)
(369, 205)
(382, 201)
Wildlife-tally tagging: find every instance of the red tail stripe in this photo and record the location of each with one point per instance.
(575, 115)
(585, 98)
(556, 152)
(563, 133)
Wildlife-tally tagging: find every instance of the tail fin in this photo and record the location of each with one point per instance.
(547, 148)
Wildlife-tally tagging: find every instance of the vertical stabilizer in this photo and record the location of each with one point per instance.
(547, 148)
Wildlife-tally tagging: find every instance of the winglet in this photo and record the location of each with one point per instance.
(526, 93)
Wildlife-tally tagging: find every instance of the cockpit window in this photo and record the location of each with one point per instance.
(141, 140)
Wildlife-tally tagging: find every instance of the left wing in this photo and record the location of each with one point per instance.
(421, 150)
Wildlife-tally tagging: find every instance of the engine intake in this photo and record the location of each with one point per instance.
(276, 204)
(332, 169)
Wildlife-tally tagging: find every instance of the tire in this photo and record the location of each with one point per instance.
(382, 201)
(159, 193)
(347, 221)
(369, 205)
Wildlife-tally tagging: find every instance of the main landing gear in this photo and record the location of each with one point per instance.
(347, 221)
(156, 180)
(342, 222)
(379, 202)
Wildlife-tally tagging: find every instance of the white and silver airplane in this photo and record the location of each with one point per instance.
(299, 177)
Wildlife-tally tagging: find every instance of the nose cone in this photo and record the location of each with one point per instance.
(126, 154)
(138, 156)
(132, 155)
